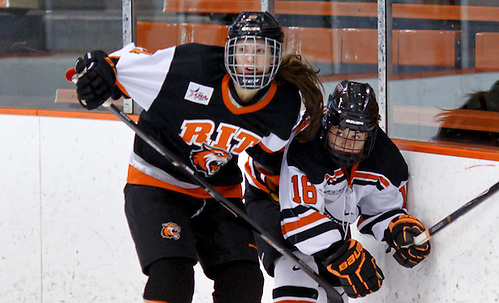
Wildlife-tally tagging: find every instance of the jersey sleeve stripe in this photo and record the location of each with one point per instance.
(375, 225)
(311, 232)
(403, 191)
(253, 176)
(122, 89)
(306, 220)
(317, 238)
(302, 124)
(291, 213)
(372, 177)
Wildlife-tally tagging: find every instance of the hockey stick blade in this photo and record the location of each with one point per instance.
(332, 294)
(429, 233)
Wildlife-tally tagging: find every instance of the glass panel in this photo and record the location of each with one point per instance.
(40, 40)
(445, 65)
(443, 52)
(339, 38)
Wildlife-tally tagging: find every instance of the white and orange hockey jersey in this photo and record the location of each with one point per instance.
(319, 200)
(190, 108)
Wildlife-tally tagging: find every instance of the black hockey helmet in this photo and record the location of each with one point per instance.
(352, 106)
(259, 24)
(248, 29)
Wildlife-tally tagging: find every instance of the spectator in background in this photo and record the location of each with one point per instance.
(455, 121)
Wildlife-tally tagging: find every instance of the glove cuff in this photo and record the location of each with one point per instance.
(337, 250)
(397, 226)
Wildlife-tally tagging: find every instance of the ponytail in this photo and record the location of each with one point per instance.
(295, 71)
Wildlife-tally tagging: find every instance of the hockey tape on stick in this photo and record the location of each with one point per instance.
(332, 294)
(427, 234)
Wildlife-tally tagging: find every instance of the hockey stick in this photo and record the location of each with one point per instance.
(428, 234)
(332, 294)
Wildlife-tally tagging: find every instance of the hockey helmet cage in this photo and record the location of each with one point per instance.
(253, 50)
(352, 106)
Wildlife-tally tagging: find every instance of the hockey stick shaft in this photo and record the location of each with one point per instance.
(333, 295)
(428, 234)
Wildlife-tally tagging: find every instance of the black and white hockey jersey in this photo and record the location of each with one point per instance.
(188, 107)
(319, 200)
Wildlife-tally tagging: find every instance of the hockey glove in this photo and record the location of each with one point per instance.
(96, 79)
(356, 268)
(400, 235)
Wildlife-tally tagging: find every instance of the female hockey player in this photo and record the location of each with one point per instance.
(206, 104)
(350, 171)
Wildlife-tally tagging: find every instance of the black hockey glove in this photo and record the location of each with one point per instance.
(96, 79)
(356, 268)
(400, 235)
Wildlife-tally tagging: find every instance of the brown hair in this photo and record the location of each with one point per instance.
(294, 70)
(463, 124)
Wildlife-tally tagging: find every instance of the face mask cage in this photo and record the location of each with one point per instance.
(252, 62)
(346, 147)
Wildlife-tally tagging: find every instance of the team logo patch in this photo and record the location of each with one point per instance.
(170, 230)
(198, 93)
(209, 160)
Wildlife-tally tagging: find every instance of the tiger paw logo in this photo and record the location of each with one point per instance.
(170, 230)
(209, 160)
